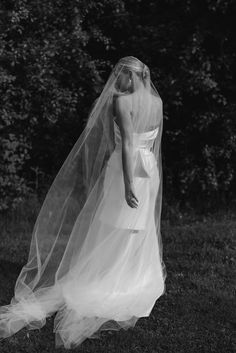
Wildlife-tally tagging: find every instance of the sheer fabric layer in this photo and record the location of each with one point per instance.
(93, 260)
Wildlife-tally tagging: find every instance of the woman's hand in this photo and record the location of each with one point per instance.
(130, 197)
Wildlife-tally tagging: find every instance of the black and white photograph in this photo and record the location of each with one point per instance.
(117, 176)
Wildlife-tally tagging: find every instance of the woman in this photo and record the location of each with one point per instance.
(96, 250)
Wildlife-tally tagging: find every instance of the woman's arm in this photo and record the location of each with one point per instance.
(123, 109)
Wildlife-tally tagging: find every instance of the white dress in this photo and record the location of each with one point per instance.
(122, 277)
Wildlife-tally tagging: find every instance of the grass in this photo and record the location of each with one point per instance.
(196, 313)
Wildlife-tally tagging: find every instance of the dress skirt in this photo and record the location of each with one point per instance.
(118, 275)
(122, 278)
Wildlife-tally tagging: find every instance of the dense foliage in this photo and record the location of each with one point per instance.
(56, 55)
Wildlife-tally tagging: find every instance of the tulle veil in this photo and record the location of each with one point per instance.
(60, 233)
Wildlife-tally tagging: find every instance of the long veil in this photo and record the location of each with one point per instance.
(60, 233)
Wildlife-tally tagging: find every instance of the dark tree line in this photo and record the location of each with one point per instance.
(55, 57)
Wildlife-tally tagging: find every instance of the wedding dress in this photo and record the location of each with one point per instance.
(107, 272)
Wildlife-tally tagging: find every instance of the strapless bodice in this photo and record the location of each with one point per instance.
(144, 159)
(143, 140)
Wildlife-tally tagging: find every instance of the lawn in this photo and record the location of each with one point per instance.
(195, 315)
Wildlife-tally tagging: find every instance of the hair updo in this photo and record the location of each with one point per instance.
(134, 64)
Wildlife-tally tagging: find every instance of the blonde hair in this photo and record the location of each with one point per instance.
(134, 64)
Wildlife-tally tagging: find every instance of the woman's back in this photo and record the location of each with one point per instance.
(145, 109)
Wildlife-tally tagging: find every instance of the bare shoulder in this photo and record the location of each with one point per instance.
(122, 106)
(157, 100)
(123, 101)
(123, 116)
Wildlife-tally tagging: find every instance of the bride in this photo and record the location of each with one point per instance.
(95, 257)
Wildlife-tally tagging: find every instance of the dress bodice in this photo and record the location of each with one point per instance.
(144, 158)
(143, 140)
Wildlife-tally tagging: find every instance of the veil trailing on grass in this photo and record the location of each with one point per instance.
(60, 233)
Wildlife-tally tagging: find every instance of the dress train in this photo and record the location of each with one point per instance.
(118, 275)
